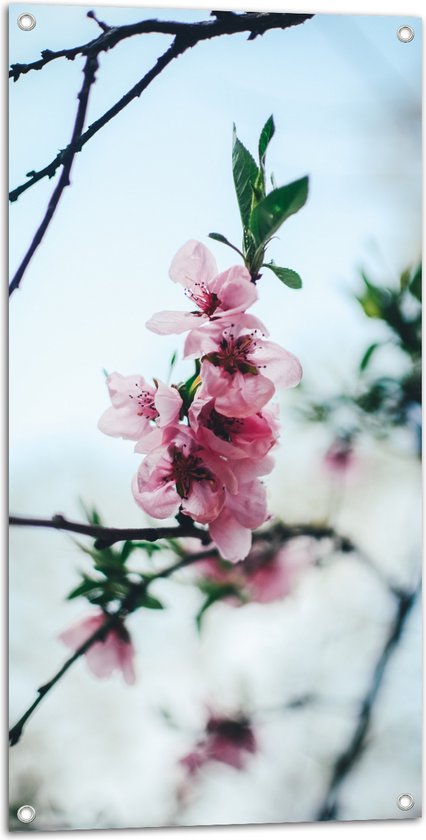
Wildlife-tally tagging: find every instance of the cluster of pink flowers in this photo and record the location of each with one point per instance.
(207, 461)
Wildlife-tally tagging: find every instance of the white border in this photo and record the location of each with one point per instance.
(370, 830)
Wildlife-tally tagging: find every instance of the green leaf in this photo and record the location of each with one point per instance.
(187, 389)
(266, 136)
(268, 216)
(126, 551)
(216, 594)
(105, 560)
(416, 283)
(291, 278)
(172, 364)
(83, 588)
(245, 172)
(151, 603)
(367, 355)
(91, 514)
(374, 300)
(220, 238)
(130, 546)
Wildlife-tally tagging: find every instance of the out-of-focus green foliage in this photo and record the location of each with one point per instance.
(386, 401)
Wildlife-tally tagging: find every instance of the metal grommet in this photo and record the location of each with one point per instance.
(26, 21)
(26, 813)
(405, 34)
(405, 801)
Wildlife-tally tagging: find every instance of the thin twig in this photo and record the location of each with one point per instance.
(224, 24)
(76, 146)
(126, 607)
(89, 75)
(105, 536)
(354, 750)
(186, 36)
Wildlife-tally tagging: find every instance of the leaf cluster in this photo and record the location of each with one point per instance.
(111, 580)
(385, 401)
(262, 213)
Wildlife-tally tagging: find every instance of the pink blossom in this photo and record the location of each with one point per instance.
(182, 475)
(233, 437)
(268, 573)
(213, 294)
(271, 576)
(226, 740)
(232, 528)
(241, 369)
(139, 410)
(340, 456)
(115, 652)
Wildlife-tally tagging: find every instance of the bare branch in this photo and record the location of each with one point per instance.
(48, 171)
(186, 36)
(106, 537)
(89, 76)
(225, 24)
(354, 750)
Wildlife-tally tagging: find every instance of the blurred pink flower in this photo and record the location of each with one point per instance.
(213, 294)
(225, 740)
(240, 369)
(267, 574)
(340, 456)
(274, 576)
(182, 475)
(138, 408)
(113, 653)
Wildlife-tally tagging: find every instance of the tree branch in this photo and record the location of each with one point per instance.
(76, 146)
(105, 536)
(89, 76)
(279, 533)
(186, 36)
(126, 607)
(225, 24)
(354, 750)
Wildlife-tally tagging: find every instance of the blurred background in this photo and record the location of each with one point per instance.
(346, 99)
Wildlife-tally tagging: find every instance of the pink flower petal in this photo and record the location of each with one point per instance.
(192, 264)
(174, 323)
(168, 403)
(125, 655)
(281, 366)
(76, 635)
(234, 289)
(240, 396)
(231, 538)
(249, 506)
(124, 423)
(205, 501)
(102, 659)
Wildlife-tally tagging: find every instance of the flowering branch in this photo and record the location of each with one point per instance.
(111, 620)
(108, 536)
(354, 750)
(67, 158)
